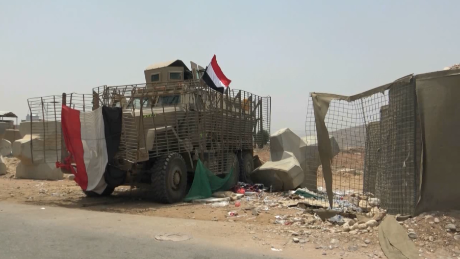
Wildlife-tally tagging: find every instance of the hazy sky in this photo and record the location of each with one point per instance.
(285, 49)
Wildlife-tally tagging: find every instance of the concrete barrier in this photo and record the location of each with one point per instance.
(3, 127)
(38, 151)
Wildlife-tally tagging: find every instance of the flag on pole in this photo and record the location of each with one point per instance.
(214, 77)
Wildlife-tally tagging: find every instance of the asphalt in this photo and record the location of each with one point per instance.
(28, 231)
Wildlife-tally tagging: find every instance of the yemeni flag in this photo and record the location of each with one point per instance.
(92, 139)
(214, 77)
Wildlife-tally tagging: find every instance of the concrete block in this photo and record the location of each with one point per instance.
(2, 166)
(284, 140)
(5, 147)
(3, 127)
(43, 128)
(313, 161)
(39, 151)
(12, 135)
(284, 174)
(22, 149)
(305, 150)
(42, 171)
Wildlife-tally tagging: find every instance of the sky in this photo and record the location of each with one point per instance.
(283, 49)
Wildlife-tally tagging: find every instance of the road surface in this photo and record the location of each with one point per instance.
(28, 231)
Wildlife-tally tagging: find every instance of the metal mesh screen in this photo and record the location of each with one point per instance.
(188, 117)
(376, 148)
(45, 135)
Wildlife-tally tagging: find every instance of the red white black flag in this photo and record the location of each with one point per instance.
(92, 139)
(214, 77)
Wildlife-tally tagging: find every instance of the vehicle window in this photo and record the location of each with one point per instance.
(137, 103)
(175, 76)
(155, 77)
(168, 100)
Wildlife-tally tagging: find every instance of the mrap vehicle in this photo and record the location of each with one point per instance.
(173, 120)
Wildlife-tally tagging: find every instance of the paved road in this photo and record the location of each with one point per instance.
(31, 232)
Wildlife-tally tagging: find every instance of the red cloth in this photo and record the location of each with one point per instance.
(71, 130)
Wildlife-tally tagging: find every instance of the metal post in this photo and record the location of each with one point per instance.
(63, 146)
(44, 130)
(31, 142)
(55, 127)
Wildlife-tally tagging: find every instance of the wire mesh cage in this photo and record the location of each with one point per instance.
(46, 140)
(44, 134)
(375, 141)
(188, 117)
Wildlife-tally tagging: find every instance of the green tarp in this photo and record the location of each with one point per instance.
(205, 183)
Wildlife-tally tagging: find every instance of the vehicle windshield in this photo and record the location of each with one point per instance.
(137, 103)
(168, 100)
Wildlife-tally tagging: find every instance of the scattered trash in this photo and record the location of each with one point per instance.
(337, 219)
(42, 208)
(238, 195)
(211, 200)
(241, 191)
(276, 250)
(283, 222)
(232, 213)
(306, 193)
(220, 204)
(374, 202)
(172, 237)
(223, 194)
(237, 204)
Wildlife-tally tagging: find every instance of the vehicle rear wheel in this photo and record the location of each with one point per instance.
(107, 192)
(169, 178)
(246, 166)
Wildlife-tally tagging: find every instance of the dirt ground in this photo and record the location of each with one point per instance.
(432, 238)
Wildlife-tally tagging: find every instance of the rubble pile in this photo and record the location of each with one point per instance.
(434, 233)
(296, 215)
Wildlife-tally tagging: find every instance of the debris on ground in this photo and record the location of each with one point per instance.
(305, 219)
(211, 200)
(172, 237)
(395, 244)
(220, 204)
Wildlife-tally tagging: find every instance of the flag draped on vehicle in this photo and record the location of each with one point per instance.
(214, 77)
(90, 143)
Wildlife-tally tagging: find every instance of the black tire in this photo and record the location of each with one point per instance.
(114, 176)
(169, 178)
(246, 166)
(107, 192)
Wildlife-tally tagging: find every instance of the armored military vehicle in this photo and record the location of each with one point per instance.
(172, 121)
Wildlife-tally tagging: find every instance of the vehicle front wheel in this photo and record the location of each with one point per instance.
(169, 178)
